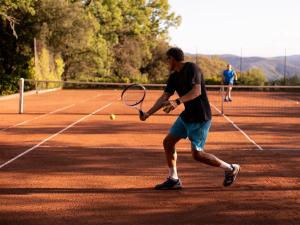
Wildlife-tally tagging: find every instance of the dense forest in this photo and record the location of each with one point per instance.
(93, 40)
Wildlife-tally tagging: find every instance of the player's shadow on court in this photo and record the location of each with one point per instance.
(150, 190)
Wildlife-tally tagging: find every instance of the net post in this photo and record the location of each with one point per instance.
(21, 95)
(36, 87)
(222, 99)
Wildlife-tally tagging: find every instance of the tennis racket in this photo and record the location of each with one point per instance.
(133, 96)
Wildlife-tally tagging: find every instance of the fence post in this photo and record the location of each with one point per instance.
(21, 95)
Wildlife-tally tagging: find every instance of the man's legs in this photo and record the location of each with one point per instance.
(201, 156)
(171, 155)
(197, 135)
(228, 93)
(231, 170)
(172, 181)
(210, 159)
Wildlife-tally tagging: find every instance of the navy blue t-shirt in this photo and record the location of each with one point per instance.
(198, 109)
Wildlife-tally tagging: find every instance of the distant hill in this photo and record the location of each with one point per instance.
(273, 67)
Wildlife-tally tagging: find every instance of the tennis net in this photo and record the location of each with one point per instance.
(246, 100)
(263, 101)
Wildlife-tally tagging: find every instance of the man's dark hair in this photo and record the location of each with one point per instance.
(176, 53)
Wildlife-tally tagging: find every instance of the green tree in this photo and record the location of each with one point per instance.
(72, 32)
(253, 76)
(211, 66)
(157, 68)
(293, 80)
(16, 41)
(136, 23)
(9, 11)
(105, 39)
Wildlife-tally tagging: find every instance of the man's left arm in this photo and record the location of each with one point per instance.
(192, 94)
(235, 76)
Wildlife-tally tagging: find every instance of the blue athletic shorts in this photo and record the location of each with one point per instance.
(229, 82)
(196, 132)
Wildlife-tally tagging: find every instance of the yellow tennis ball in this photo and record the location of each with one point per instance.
(112, 116)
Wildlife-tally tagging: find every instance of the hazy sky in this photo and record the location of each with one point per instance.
(258, 27)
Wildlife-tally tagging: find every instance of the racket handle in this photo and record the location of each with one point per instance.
(141, 113)
(168, 109)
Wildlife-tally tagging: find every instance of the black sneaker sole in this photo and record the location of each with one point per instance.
(168, 189)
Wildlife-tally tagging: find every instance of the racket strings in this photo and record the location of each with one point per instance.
(133, 97)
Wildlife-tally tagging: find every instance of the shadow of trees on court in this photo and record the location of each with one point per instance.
(290, 112)
(100, 127)
(118, 126)
(250, 201)
(134, 206)
(132, 162)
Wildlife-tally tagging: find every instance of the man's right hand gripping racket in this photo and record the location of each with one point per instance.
(133, 96)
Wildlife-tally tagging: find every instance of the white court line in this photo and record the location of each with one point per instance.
(38, 117)
(239, 129)
(8, 97)
(54, 135)
(46, 114)
(145, 147)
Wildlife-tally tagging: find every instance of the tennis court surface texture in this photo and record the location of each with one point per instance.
(65, 162)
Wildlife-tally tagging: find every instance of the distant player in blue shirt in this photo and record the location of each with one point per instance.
(229, 76)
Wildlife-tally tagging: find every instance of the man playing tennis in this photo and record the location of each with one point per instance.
(229, 76)
(194, 122)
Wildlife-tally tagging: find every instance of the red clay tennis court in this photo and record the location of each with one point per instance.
(64, 161)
